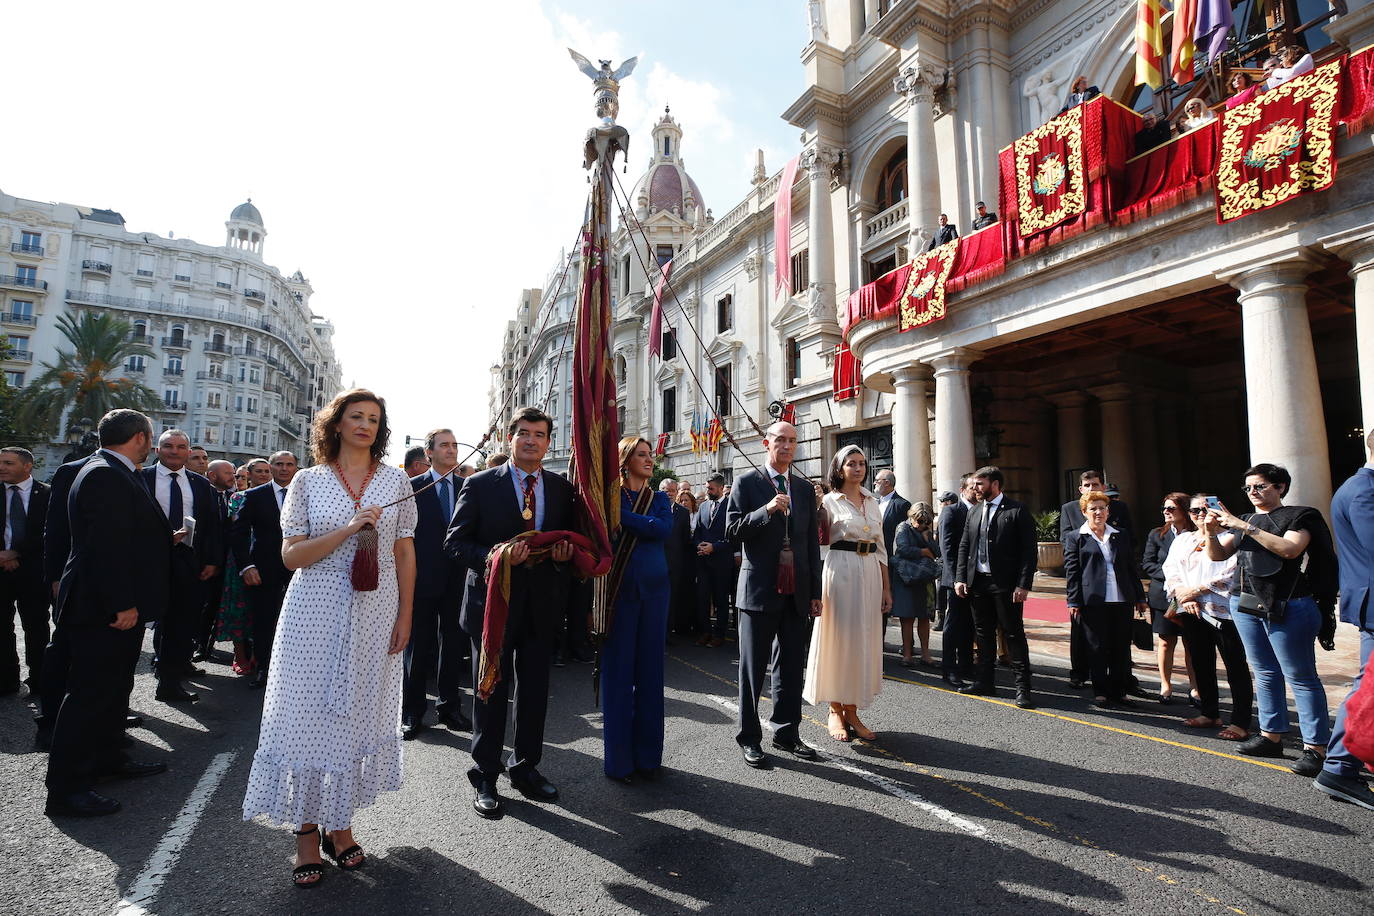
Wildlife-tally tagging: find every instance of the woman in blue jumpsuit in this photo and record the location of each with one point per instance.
(632, 657)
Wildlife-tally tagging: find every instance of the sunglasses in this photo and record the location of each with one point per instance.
(1168, 508)
(1200, 510)
(1256, 487)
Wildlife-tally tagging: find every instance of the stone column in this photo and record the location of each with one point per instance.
(953, 417)
(1360, 254)
(982, 117)
(1072, 424)
(922, 160)
(1117, 430)
(1282, 393)
(911, 432)
(818, 161)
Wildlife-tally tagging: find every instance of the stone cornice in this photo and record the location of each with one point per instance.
(816, 104)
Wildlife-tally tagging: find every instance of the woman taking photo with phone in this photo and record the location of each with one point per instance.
(1274, 604)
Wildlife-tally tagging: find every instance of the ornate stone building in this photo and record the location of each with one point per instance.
(239, 359)
(1173, 351)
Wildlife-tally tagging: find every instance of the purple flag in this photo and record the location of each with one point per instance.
(1215, 21)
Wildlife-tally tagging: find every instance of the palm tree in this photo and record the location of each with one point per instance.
(85, 377)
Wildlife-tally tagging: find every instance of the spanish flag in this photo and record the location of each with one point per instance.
(1149, 44)
(1181, 57)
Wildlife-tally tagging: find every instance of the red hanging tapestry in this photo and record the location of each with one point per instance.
(923, 300)
(1168, 175)
(1357, 93)
(846, 378)
(1050, 182)
(877, 299)
(1279, 145)
(980, 258)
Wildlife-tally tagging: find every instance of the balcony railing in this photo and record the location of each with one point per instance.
(212, 346)
(248, 351)
(173, 407)
(22, 248)
(18, 318)
(880, 224)
(98, 267)
(181, 278)
(203, 376)
(220, 284)
(170, 372)
(136, 368)
(162, 307)
(19, 356)
(145, 339)
(27, 283)
(178, 343)
(254, 294)
(143, 273)
(288, 426)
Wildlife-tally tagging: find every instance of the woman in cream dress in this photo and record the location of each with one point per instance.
(845, 668)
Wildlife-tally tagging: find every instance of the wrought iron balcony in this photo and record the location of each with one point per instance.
(143, 273)
(145, 339)
(254, 294)
(212, 346)
(173, 373)
(172, 407)
(204, 376)
(19, 356)
(176, 343)
(292, 428)
(136, 368)
(22, 248)
(180, 278)
(96, 267)
(18, 318)
(24, 282)
(220, 284)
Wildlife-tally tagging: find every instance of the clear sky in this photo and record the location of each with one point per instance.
(420, 162)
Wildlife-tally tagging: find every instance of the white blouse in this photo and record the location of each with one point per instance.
(1187, 567)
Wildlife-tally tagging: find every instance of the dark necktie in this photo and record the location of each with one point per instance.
(529, 502)
(281, 497)
(19, 523)
(983, 538)
(175, 510)
(444, 504)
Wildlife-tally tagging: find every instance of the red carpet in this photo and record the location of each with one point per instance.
(1053, 610)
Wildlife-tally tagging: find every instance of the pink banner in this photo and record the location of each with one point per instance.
(656, 317)
(782, 228)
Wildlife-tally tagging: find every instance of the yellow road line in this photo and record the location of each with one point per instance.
(997, 803)
(1109, 728)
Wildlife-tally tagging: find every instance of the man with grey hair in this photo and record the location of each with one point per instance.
(190, 504)
(255, 538)
(23, 511)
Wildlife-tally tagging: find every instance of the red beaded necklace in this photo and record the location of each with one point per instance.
(356, 497)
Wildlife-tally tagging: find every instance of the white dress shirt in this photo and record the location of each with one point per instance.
(983, 564)
(163, 492)
(518, 477)
(25, 491)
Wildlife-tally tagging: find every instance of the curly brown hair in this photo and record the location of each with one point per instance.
(324, 432)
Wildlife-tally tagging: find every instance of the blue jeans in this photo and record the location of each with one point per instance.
(1286, 652)
(1339, 761)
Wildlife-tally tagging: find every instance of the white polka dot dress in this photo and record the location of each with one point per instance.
(331, 717)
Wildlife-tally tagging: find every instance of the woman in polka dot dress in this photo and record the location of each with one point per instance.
(330, 739)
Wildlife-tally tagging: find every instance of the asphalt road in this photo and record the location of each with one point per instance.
(963, 805)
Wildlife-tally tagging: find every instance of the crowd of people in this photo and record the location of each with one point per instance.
(346, 586)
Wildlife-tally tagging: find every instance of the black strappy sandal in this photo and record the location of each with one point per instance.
(313, 869)
(350, 859)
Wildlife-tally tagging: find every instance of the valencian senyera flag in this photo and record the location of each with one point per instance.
(1182, 49)
(923, 300)
(1149, 44)
(1051, 183)
(595, 471)
(1279, 145)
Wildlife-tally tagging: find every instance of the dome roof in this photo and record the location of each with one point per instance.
(247, 213)
(665, 185)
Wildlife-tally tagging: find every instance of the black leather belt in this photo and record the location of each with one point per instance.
(859, 547)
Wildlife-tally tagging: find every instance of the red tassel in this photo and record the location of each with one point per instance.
(364, 572)
(787, 572)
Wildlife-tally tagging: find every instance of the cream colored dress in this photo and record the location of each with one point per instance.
(846, 661)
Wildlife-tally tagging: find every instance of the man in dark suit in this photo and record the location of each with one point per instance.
(220, 473)
(946, 232)
(494, 506)
(23, 512)
(956, 648)
(1070, 520)
(116, 578)
(256, 539)
(437, 643)
(182, 494)
(1352, 522)
(771, 510)
(715, 562)
(996, 568)
(681, 553)
(894, 509)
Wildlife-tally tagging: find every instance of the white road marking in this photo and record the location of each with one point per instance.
(164, 857)
(893, 788)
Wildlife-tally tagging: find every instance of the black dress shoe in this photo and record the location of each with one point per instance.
(798, 749)
(133, 721)
(1023, 699)
(486, 801)
(259, 681)
(952, 681)
(133, 769)
(978, 690)
(754, 756)
(172, 692)
(455, 720)
(411, 730)
(534, 786)
(1138, 691)
(80, 804)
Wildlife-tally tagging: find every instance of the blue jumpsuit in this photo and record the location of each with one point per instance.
(632, 658)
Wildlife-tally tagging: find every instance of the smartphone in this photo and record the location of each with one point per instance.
(1214, 504)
